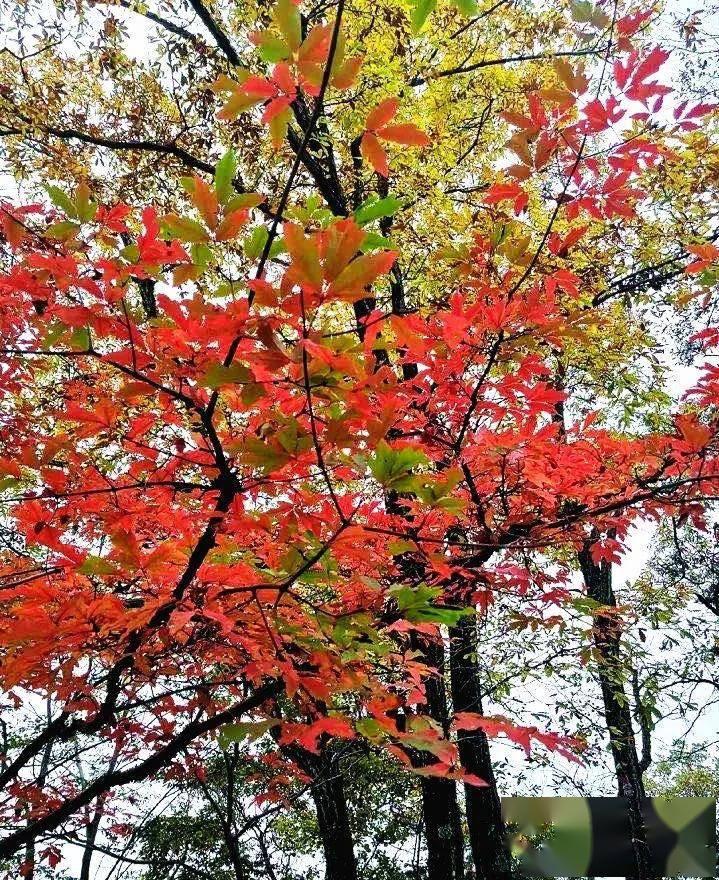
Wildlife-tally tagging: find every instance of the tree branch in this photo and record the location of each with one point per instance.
(494, 62)
(219, 36)
(157, 761)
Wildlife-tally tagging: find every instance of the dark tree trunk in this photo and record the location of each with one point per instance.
(328, 794)
(91, 830)
(441, 816)
(443, 830)
(627, 765)
(442, 820)
(440, 810)
(484, 811)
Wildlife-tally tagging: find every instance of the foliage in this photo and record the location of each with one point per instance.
(324, 328)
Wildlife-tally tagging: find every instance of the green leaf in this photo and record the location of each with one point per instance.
(61, 200)
(243, 200)
(55, 332)
(291, 440)
(369, 728)
(255, 242)
(218, 375)
(373, 209)
(86, 208)
(393, 467)
(420, 14)
(467, 7)
(225, 171)
(287, 18)
(600, 19)
(62, 229)
(708, 277)
(417, 605)
(400, 546)
(278, 127)
(277, 247)
(582, 11)
(80, 339)
(8, 482)
(498, 234)
(131, 253)
(96, 565)
(252, 392)
(273, 49)
(184, 228)
(437, 493)
(201, 255)
(256, 453)
(242, 730)
(375, 242)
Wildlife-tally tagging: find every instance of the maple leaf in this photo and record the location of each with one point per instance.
(707, 254)
(377, 127)
(308, 736)
(606, 550)
(500, 192)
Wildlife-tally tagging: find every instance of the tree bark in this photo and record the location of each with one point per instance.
(328, 794)
(617, 714)
(484, 810)
(440, 810)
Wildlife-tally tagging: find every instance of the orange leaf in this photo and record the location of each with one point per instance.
(499, 192)
(382, 114)
(237, 103)
(305, 258)
(282, 75)
(316, 47)
(557, 96)
(373, 152)
(260, 88)
(14, 231)
(278, 127)
(264, 294)
(352, 281)
(338, 244)
(406, 134)
(564, 72)
(204, 198)
(275, 107)
(231, 224)
(347, 72)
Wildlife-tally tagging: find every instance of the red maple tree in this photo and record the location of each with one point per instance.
(216, 501)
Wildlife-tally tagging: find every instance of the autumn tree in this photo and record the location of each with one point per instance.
(324, 336)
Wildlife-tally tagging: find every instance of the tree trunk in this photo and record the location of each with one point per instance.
(484, 811)
(627, 766)
(91, 830)
(440, 811)
(443, 830)
(441, 816)
(327, 790)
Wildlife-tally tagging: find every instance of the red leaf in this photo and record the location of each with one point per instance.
(282, 75)
(275, 107)
(630, 24)
(257, 87)
(650, 64)
(501, 192)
